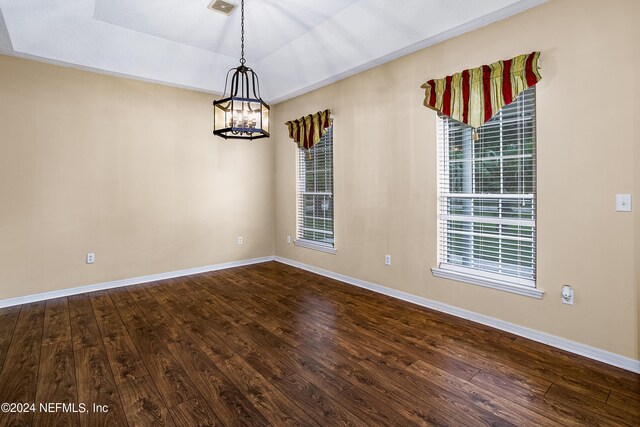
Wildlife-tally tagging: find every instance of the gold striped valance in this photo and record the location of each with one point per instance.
(307, 130)
(474, 96)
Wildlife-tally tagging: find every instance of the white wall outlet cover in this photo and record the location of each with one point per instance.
(567, 295)
(623, 202)
(239, 240)
(91, 257)
(387, 259)
(288, 239)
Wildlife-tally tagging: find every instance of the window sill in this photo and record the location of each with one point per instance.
(488, 283)
(315, 246)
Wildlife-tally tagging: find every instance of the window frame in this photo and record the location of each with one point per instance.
(301, 169)
(480, 275)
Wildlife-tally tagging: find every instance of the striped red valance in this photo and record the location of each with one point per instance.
(308, 130)
(474, 96)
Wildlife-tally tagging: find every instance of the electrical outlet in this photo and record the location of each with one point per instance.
(567, 295)
(387, 260)
(239, 240)
(623, 202)
(288, 239)
(91, 257)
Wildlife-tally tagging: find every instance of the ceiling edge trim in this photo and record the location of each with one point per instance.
(103, 72)
(454, 32)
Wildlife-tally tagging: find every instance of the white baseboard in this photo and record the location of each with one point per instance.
(552, 340)
(127, 282)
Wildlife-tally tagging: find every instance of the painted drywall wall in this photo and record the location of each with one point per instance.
(125, 169)
(636, 173)
(587, 131)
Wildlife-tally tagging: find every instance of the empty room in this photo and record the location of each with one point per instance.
(298, 213)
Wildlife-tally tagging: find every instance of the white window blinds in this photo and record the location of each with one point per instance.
(315, 192)
(487, 195)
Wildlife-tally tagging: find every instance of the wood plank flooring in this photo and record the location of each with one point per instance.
(272, 345)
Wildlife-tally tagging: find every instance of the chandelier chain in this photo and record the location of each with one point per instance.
(242, 60)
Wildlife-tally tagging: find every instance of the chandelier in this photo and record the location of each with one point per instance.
(242, 114)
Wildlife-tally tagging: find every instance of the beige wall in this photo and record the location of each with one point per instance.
(636, 216)
(125, 169)
(385, 171)
(130, 171)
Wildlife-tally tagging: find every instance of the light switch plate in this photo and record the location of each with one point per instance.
(623, 202)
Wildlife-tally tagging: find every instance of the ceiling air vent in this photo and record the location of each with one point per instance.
(223, 6)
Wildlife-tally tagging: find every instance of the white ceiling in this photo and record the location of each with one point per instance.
(294, 45)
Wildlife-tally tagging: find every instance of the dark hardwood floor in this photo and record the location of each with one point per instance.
(269, 344)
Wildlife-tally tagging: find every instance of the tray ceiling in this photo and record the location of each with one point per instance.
(294, 45)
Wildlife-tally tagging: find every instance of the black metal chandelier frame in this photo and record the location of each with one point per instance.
(242, 114)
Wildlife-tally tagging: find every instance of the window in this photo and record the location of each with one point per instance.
(487, 199)
(315, 195)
